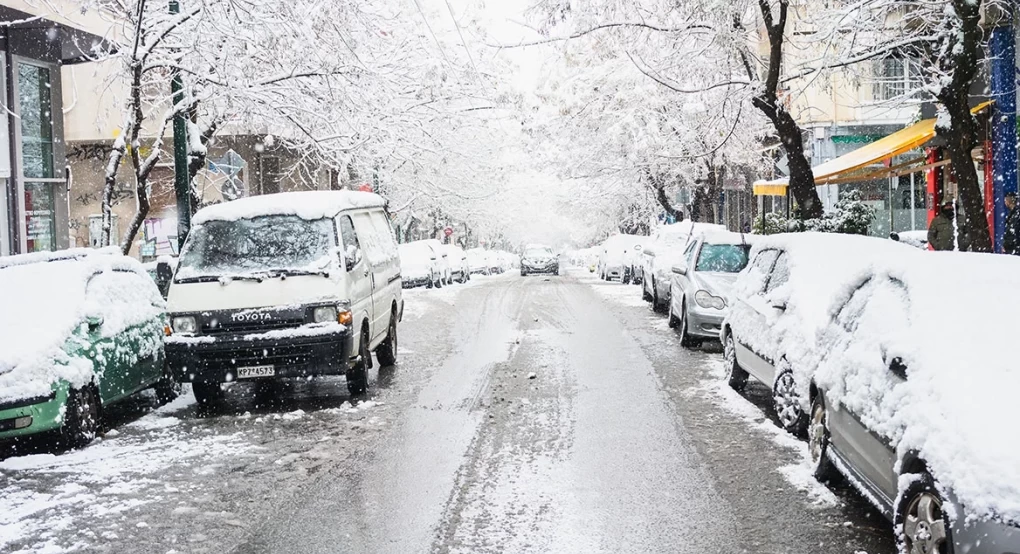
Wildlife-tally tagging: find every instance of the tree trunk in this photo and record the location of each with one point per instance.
(802, 178)
(116, 155)
(142, 193)
(961, 133)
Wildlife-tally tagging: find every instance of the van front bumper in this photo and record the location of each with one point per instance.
(298, 352)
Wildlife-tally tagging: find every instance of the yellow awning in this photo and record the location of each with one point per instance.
(900, 142)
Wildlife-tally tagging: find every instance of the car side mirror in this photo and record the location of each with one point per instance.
(898, 368)
(680, 269)
(94, 321)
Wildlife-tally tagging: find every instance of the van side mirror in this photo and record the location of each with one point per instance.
(352, 256)
(164, 274)
(94, 321)
(898, 368)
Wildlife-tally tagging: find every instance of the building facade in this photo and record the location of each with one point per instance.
(34, 48)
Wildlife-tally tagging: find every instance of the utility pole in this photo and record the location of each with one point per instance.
(182, 184)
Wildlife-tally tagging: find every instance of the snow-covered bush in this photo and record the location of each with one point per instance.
(773, 223)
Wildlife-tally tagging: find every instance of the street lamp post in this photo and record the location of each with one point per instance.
(182, 184)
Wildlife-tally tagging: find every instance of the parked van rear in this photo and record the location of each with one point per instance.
(285, 285)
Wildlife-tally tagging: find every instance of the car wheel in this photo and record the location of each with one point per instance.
(787, 404)
(167, 390)
(656, 303)
(818, 440)
(207, 393)
(644, 293)
(432, 281)
(386, 353)
(674, 321)
(357, 374)
(524, 273)
(686, 340)
(736, 377)
(920, 522)
(81, 417)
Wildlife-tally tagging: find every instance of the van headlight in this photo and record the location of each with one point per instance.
(324, 314)
(185, 324)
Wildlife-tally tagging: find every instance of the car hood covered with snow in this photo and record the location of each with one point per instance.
(956, 408)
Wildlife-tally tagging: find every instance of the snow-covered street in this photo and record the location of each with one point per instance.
(537, 414)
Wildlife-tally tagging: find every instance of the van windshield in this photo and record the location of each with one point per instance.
(258, 245)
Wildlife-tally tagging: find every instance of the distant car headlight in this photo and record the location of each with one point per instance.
(707, 300)
(185, 324)
(324, 314)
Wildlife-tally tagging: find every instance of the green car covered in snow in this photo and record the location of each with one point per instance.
(93, 338)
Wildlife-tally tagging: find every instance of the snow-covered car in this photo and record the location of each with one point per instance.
(632, 270)
(460, 269)
(912, 401)
(442, 260)
(780, 303)
(917, 239)
(663, 251)
(538, 258)
(285, 285)
(94, 339)
(495, 262)
(478, 261)
(418, 265)
(615, 259)
(701, 286)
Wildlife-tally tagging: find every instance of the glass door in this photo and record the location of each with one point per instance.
(35, 109)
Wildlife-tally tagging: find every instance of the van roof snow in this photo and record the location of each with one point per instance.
(313, 204)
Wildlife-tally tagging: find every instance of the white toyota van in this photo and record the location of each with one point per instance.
(285, 285)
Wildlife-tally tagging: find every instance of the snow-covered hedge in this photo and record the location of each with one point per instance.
(851, 216)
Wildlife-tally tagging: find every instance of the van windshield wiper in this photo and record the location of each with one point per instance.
(295, 272)
(219, 278)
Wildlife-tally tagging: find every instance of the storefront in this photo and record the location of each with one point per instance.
(33, 175)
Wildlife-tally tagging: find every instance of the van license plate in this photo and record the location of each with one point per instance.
(255, 371)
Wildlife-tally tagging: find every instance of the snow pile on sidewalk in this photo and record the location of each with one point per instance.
(955, 337)
(820, 266)
(35, 328)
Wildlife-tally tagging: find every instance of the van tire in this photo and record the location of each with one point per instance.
(206, 392)
(386, 353)
(357, 374)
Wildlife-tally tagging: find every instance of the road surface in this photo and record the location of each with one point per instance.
(538, 414)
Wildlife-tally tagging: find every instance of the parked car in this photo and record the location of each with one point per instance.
(418, 265)
(478, 261)
(615, 257)
(538, 258)
(665, 248)
(632, 261)
(285, 285)
(495, 263)
(442, 259)
(917, 239)
(93, 339)
(701, 286)
(779, 302)
(460, 268)
(912, 401)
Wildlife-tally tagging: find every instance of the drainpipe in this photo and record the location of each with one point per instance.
(1002, 52)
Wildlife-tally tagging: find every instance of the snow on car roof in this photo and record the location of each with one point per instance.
(34, 327)
(311, 204)
(956, 407)
(715, 236)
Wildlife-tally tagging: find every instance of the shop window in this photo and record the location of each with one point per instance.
(35, 110)
(40, 231)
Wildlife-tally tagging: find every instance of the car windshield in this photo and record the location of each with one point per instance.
(258, 244)
(538, 253)
(722, 258)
